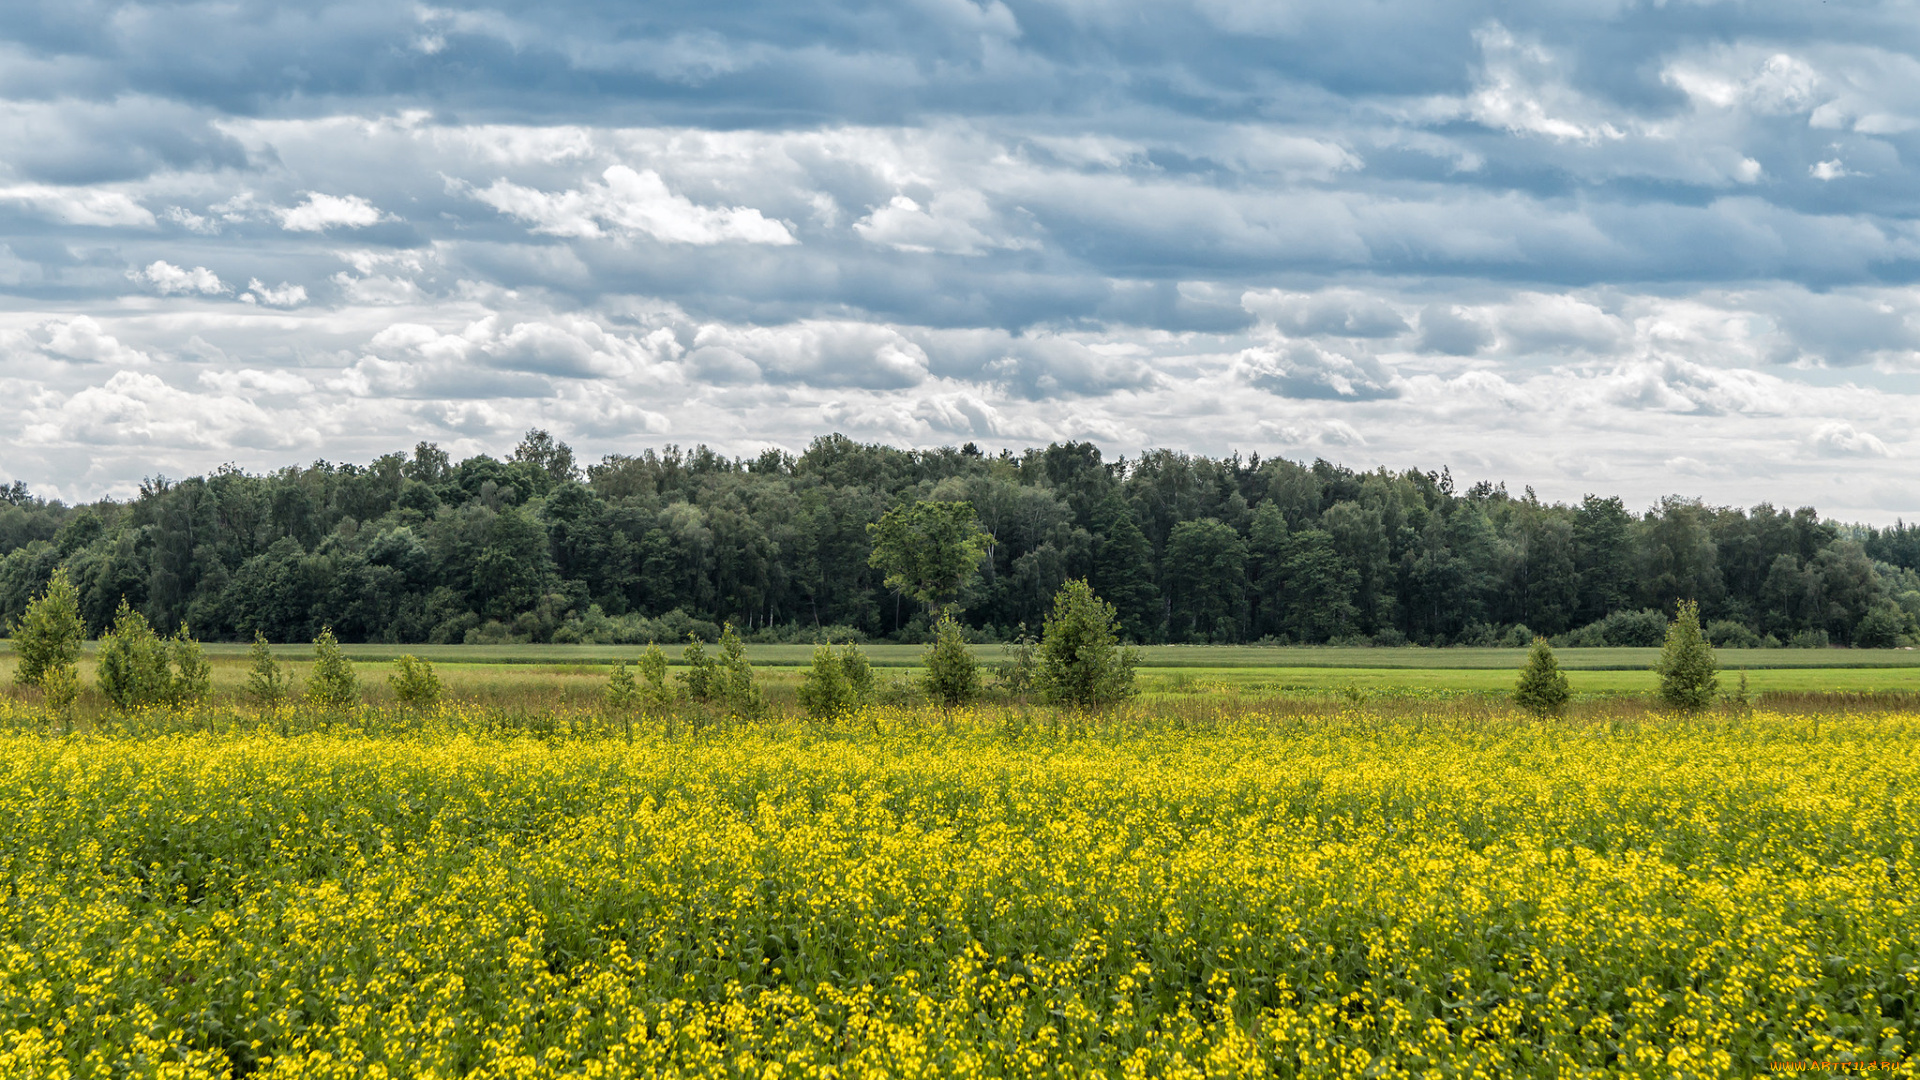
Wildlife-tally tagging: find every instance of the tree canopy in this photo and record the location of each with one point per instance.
(853, 541)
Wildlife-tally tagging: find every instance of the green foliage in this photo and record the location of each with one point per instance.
(331, 685)
(952, 676)
(622, 694)
(737, 690)
(928, 550)
(267, 682)
(135, 670)
(824, 692)
(1019, 668)
(1542, 689)
(656, 696)
(61, 685)
(1686, 667)
(192, 680)
(48, 636)
(1082, 663)
(414, 683)
(859, 673)
(702, 677)
(1885, 626)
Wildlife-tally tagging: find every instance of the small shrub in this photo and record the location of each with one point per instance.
(415, 686)
(859, 674)
(332, 685)
(736, 686)
(1728, 634)
(1081, 660)
(952, 676)
(1542, 689)
(1686, 667)
(824, 692)
(1019, 671)
(623, 694)
(1884, 626)
(48, 636)
(135, 671)
(192, 680)
(656, 696)
(702, 677)
(266, 680)
(1809, 639)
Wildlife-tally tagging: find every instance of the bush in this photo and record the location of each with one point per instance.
(1728, 634)
(48, 636)
(702, 677)
(1019, 672)
(1081, 660)
(332, 683)
(859, 673)
(266, 682)
(1642, 629)
(952, 677)
(622, 693)
(192, 680)
(655, 695)
(1808, 639)
(1686, 667)
(135, 671)
(1883, 627)
(415, 686)
(1542, 689)
(824, 692)
(736, 686)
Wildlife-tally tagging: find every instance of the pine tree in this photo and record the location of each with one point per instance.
(332, 683)
(48, 635)
(952, 677)
(1081, 662)
(266, 681)
(1542, 689)
(1687, 670)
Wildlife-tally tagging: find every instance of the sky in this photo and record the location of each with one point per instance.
(1586, 246)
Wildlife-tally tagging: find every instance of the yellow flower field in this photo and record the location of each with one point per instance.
(921, 896)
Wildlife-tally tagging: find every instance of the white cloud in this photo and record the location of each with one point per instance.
(81, 338)
(321, 212)
(80, 206)
(282, 296)
(631, 203)
(1839, 439)
(1829, 170)
(958, 222)
(168, 279)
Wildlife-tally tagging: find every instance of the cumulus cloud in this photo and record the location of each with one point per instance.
(167, 279)
(321, 212)
(1304, 369)
(630, 203)
(80, 206)
(1839, 439)
(282, 295)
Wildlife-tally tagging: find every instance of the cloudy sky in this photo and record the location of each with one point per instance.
(1631, 248)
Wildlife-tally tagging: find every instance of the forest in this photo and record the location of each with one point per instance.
(414, 547)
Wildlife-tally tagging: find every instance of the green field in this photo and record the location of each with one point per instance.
(551, 673)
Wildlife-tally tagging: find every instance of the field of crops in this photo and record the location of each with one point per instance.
(1432, 890)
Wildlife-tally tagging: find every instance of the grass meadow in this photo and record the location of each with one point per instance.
(1297, 870)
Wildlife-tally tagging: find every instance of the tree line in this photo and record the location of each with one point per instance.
(414, 547)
